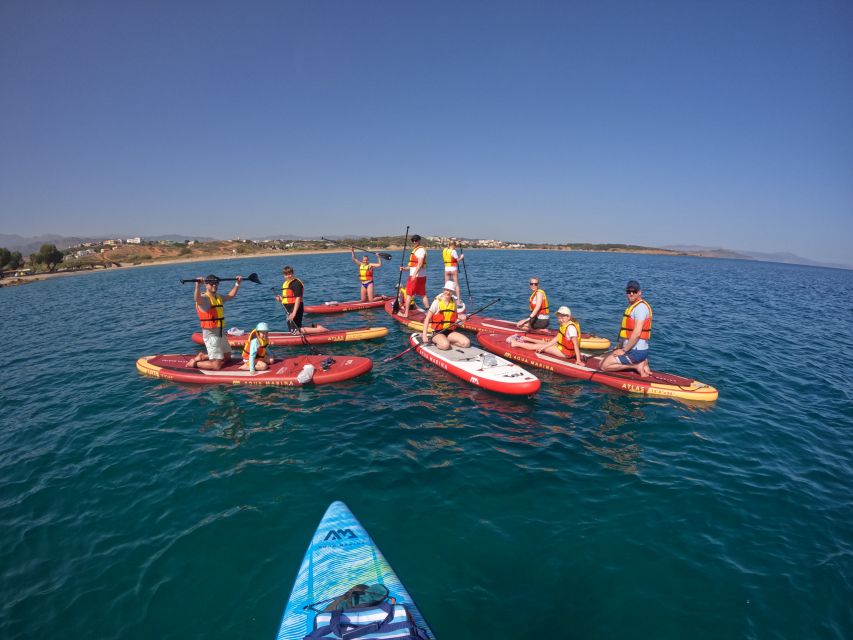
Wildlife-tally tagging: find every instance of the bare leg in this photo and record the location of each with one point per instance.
(210, 365)
(369, 292)
(459, 339)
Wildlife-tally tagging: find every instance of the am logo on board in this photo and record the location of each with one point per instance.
(340, 534)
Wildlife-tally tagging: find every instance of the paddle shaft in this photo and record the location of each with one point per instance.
(451, 327)
(252, 277)
(396, 306)
(465, 271)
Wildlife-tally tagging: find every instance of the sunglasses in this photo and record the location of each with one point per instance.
(630, 291)
(534, 284)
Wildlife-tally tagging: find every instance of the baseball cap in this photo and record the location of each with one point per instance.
(212, 279)
(633, 284)
(262, 326)
(564, 311)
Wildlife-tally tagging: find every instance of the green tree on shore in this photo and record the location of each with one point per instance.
(48, 255)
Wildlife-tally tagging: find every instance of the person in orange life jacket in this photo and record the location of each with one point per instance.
(256, 355)
(451, 263)
(209, 307)
(416, 284)
(566, 344)
(444, 311)
(634, 335)
(538, 318)
(292, 292)
(365, 274)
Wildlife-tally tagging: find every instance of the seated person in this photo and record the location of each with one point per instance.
(256, 356)
(441, 319)
(566, 344)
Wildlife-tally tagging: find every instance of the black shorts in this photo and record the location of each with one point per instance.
(540, 323)
(297, 320)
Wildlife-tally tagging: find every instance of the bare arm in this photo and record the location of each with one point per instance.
(234, 289)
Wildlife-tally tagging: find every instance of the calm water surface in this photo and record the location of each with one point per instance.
(133, 508)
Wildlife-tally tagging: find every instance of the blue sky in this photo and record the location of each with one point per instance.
(683, 122)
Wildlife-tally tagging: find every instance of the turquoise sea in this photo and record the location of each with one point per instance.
(134, 508)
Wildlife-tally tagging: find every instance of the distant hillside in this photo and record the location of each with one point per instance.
(785, 258)
(31, 244)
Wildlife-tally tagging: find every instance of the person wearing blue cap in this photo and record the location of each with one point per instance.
(256, 355)
(634, 335)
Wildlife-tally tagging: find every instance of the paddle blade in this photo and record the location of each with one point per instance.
(253, 277)
(385, 256)
(396, 306)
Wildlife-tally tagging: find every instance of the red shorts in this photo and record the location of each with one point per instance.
(416, 286)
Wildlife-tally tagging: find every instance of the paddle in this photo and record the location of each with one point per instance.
(252, 277)
(381, 254)
(396, 306)
(451, 327)
(465, 270)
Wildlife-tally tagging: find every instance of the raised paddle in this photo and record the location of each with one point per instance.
(381, 254)
(252, 277)
(396, 306)
(451, 327)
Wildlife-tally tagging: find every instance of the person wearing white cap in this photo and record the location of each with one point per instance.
(256, 356)
(441, 318)
(566, 344)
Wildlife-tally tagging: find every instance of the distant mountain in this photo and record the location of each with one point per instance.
(785, 258)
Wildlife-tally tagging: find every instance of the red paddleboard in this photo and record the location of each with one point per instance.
(283, 373)
(659, 385)
(479, 368)
(341, 307)
(285, 338)
(415, 321)
(493, 325)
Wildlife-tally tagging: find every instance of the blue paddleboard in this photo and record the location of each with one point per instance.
(340, 556)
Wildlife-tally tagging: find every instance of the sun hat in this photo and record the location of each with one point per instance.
(450, 285)
(262, 326)
(564, 311)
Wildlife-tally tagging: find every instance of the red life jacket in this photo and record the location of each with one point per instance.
(628, 322)
(543, 312)
(564, 342)
(445, 316)
(213, 318)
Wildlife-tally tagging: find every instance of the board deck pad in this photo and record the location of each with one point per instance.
(341, 555)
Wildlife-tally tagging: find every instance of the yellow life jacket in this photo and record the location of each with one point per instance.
(261, 353)
(445, 316)
(628, 322)
(365, 273)
(402, 297)
(543, 312)
(449, 260)
(213, 318)
(287, 295)
(564, 342)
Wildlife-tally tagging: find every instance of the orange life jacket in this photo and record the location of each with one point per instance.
(449, 260)
(213, 318)
(365, 273)
(413, 259)
(287, 295)
(628, 322)
(261, 353)
(543, 312)
(445, 316)
(564, 342)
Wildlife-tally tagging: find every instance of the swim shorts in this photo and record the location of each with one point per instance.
(634, 356)
(416, 286)
(217, 346)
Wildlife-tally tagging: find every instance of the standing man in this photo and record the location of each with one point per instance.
(634, 335)
(539, 314)
(441, 318)
(451, 263)
(416, 284)
(365, 274)
(292, 291)
(209, 307)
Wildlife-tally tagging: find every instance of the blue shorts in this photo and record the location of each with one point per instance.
(634, 356)
(366, 284)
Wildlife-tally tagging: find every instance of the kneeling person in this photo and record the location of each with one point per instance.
(441, 317)
(566, 344)
(256, 356)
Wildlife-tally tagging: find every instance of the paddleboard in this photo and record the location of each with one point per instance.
(282, 373)
(476, 367)
(334, 306)
(341, 555)
(286, 338)
(659, 384)
(480, 323)
(415, 320)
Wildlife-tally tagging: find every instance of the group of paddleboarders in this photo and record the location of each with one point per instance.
(440, 324)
